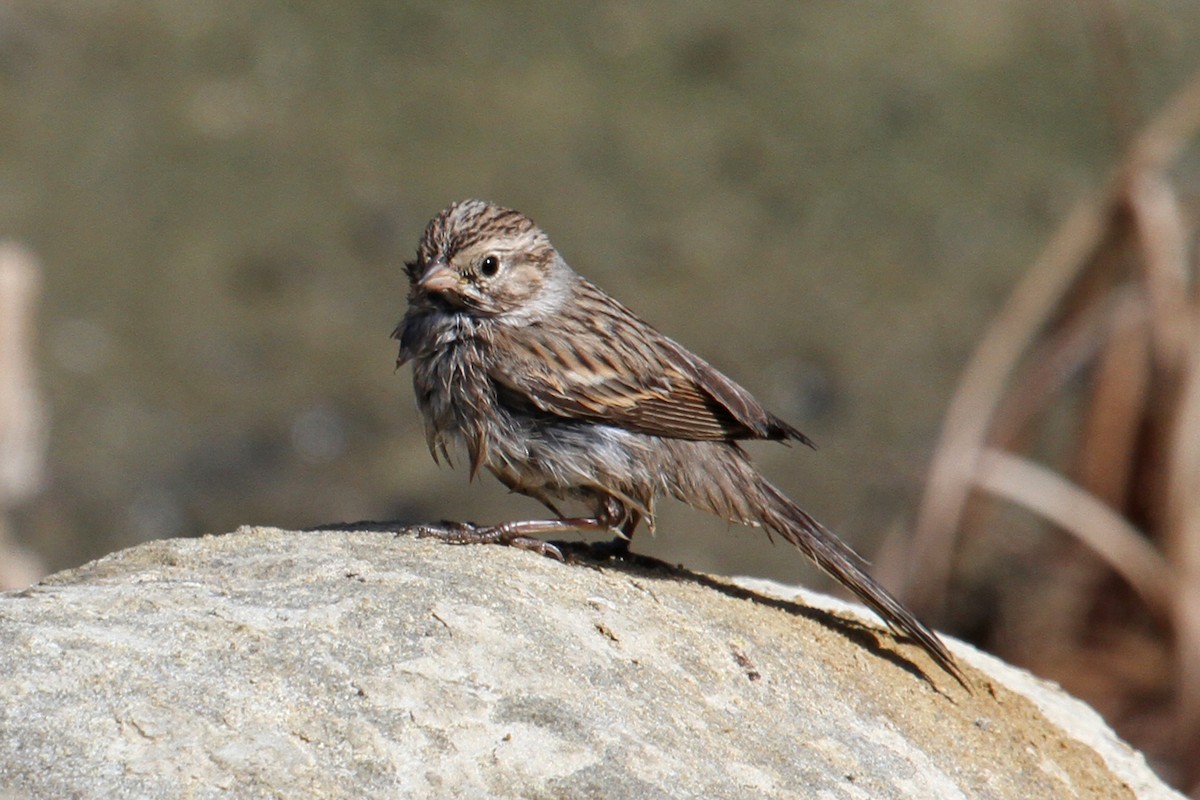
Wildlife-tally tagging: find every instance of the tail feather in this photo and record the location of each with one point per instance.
(781, 516)
(718, 477)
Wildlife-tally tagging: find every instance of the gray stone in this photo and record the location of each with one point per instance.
(268, 663)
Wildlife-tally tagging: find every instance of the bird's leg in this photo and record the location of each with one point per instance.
(522, 534)
(611, 515)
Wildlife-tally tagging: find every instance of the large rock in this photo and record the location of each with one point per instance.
(362, 664)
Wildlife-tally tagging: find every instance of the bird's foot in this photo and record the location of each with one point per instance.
(509, 534)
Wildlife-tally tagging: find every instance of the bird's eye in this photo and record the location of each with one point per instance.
(489, 266)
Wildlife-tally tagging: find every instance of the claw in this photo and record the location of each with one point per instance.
(538, 546)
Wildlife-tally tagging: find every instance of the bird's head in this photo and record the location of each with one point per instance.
(481, 259)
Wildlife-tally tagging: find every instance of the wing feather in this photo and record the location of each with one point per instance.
(599, 362)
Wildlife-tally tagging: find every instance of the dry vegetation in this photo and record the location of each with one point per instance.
(1082, 406)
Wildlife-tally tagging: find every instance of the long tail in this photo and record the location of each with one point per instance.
(719, 477)
(779, 515)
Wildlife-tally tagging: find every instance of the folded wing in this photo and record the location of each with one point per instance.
(612, 368)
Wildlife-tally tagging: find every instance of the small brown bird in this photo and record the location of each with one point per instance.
(563, 393)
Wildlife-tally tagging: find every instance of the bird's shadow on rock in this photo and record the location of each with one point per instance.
(610, 556)
(615, 555)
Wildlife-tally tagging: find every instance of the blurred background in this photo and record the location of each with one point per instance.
(207, 206)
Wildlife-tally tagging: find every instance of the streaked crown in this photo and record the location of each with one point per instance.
(467, 223)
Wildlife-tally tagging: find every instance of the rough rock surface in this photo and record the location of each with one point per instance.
(362, 664)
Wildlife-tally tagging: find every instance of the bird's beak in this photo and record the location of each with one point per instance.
(439, 279)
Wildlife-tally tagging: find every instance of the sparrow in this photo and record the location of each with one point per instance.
(562, 393)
